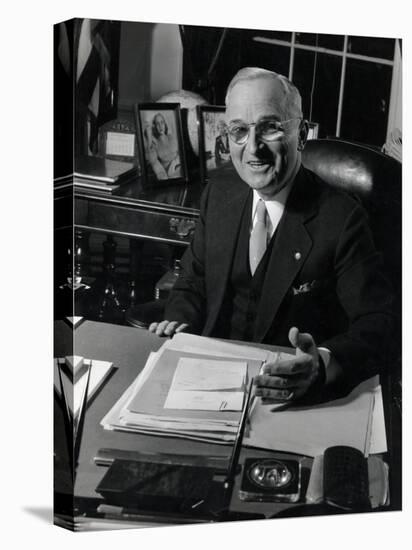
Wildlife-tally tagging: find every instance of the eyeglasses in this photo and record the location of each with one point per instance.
(266, 130)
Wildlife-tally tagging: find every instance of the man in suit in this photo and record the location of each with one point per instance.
(279, 256)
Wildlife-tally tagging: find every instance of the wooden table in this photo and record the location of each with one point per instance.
(128, 349)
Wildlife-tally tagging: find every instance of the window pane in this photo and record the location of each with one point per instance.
(326, 94)
(302, 76)
(374, 47)
(325, 88)
(266, 56)
(366, 102)
(305, 38)
(331, 41)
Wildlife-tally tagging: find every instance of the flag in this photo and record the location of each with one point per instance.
(96, 72)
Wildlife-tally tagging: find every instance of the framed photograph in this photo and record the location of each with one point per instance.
(160, 139)
(213, 139)
(313, 130)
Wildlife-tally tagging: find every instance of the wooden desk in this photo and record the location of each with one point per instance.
(165, 214)
(128, 349)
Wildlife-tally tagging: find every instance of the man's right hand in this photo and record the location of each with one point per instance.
(167, 328)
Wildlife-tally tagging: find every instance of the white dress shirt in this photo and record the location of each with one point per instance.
(275, 208)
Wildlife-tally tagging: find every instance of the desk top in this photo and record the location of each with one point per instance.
(179, 198)
(128, 349)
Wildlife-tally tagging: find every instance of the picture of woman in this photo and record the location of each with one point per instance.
(162, 148)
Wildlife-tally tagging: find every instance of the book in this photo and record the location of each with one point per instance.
(98, 173)
(103, 169)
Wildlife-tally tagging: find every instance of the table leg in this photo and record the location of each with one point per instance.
(110, 308)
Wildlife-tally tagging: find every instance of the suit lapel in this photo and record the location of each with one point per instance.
(290, 249)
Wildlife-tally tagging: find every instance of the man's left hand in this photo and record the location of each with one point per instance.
(290, 379)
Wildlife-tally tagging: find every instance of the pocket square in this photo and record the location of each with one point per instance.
(305, 287)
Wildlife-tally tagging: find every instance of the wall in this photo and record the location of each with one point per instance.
(166, 61)
(150, 62)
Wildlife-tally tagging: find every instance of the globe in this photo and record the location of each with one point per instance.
(189, 101)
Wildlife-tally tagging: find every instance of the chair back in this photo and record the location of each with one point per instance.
(376, 179)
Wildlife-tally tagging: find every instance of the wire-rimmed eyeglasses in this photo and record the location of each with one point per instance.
(267, 130)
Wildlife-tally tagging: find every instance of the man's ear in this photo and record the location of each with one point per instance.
(303, 134)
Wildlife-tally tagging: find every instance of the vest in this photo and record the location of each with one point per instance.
(239, 309)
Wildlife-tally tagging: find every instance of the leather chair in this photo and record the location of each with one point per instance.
(376, 179)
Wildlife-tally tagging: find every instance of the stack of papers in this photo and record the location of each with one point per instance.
(190, 389)
(194, 387)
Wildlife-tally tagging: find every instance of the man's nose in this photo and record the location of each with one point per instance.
(254, 143)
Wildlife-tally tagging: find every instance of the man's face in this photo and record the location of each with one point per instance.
(264, 166)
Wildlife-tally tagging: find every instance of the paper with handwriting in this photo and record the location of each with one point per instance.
(206, 384)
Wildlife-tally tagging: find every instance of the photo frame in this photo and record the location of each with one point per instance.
(160, 142)
(213, 142)
(313, 130)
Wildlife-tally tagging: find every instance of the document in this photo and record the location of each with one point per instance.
(205, 400)
(208, 375)
(207, 385)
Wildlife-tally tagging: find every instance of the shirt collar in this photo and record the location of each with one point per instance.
(275, 206)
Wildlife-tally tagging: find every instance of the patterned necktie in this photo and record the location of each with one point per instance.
(258, 237)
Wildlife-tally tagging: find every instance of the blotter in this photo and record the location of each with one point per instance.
(309, 430)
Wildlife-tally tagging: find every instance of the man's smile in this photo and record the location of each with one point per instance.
(259, 164)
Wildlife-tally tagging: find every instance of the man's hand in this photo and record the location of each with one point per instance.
(167, 328)
(290, 379)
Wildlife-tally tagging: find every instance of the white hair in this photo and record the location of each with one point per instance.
(292, 98)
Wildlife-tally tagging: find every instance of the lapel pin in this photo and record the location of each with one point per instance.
(298, 256)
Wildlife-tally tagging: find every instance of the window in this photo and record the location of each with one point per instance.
(345, 81)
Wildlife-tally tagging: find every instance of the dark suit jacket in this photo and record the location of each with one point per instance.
(323, 276)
